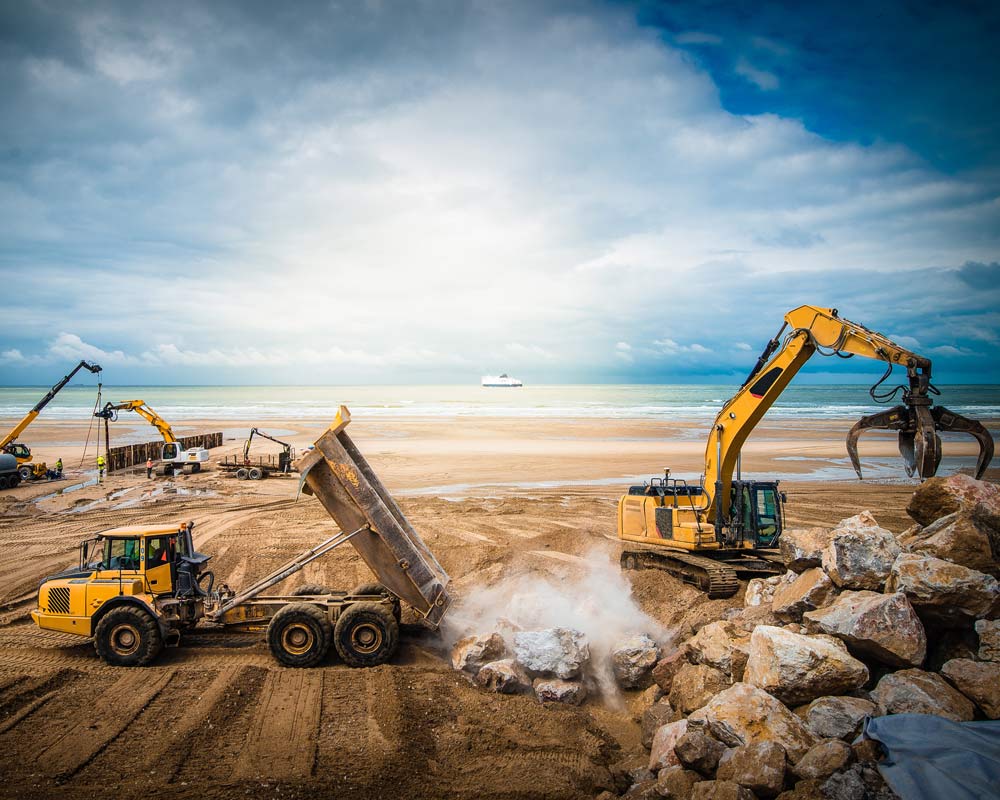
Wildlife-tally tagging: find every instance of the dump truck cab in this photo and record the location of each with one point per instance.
(148, 581)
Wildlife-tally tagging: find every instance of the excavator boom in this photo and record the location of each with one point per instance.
(110, 413)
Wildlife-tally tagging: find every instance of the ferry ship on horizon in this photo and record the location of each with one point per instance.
(501, 381)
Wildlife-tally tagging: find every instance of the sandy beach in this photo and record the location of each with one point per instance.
(491, 497)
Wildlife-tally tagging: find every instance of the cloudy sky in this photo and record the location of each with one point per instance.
(340, 192)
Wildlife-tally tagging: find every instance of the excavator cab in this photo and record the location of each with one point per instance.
(756, 514)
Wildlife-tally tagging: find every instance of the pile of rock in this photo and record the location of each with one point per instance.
(554, 663)
(767, 701)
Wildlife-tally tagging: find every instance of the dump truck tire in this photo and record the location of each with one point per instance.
(4, 482)
(378, 588)
(14, 480)
(311, 589)
(299, 635)
(366, 635)
(128, 637)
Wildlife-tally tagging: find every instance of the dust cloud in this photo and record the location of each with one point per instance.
(590, 595)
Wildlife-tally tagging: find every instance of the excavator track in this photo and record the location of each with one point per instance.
(715, 578)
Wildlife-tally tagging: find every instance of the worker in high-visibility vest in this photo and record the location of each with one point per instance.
(100, 468)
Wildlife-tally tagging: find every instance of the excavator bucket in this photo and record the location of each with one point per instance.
(919, 444)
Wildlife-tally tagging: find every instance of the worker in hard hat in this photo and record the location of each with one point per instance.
(100, 468)
(59, 468)
(149, 467)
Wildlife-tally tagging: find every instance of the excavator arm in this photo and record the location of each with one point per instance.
(811, 330)
(258, 432)
(31, 415)
(110, 413)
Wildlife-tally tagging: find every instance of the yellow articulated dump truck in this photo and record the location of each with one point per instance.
(138, 589)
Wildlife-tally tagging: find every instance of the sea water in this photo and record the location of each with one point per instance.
(657, 402)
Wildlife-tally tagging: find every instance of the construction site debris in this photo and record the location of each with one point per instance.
(980, 682)
(836, 717)
(960, 537)
(914, 691)
(938, 497)
(654, 717)
(880, 626)
(809, 591)
(802, 548)
(757, 766)
(661, 752)
(744, 714)
(989, 639)
(721, 645)
(504, 677)
(666, 668)
(797, 669)
(694, 684)
(632, 660)
(557, 690)
(676, 783)
(699, 751)
(473, 652)
(823, 760)
(553, 651)
(943, 592)
(860, 554)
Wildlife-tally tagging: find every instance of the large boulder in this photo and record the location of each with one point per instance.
(836, 717)
(720, 790)
(699, 751)
(722, 645)
(694, 685)
(744, 714)
(942, 591)
(802, 548)
(668, 666)
(796, 668)
(809, 591)
(958, 538)
(632, 660)
(860, 555)
(913, 691)
(661, 752)
(556, 651)
(654, 718)
(557, 690)
(939, 497)
(676, 783)
(880, 626)
(979, 681)
(504, 676)
(823, 760)
(472, 652)
(989, 639)
(759, 766)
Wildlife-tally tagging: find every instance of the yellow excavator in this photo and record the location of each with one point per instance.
(173, 458)
(712, 532)
(27, 469)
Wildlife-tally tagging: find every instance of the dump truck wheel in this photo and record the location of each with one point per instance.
(366, 635)
(127, 637)
(311, 589)
(256, 474)
(378, 588)
(14, 480)
(4, 482)
(299, 635)
(241, 474)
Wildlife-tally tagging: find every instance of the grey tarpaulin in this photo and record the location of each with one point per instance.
(930, 757)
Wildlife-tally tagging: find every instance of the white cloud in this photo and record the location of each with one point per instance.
(743, 347)
(761, 78)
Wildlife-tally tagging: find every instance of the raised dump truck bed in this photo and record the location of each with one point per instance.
(339, 475)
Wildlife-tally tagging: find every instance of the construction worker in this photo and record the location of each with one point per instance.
(100, 467)
(59, 468)
(149, 467)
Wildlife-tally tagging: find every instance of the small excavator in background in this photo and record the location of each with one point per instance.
(28, 470)
(711, 532)
(173, 458)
